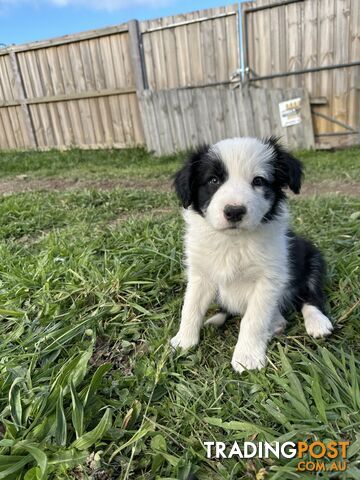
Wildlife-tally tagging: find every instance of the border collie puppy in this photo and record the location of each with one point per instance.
(239, 249)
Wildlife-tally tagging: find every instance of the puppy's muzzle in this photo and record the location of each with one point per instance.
(234, 213)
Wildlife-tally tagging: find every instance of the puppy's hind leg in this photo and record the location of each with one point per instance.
(317, 323)
(278, 324)
(218, 319)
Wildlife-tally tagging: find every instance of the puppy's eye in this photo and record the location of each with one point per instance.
(214, 181)
(258, 182)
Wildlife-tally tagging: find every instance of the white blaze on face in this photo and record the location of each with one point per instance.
(245, 159)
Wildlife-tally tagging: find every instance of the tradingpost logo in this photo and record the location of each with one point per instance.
(314, 456)
(322, 457)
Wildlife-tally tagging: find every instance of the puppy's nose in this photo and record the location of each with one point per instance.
(234, 213)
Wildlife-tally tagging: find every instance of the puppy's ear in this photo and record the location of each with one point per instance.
(185, 179)
(182, 185)
(288, 169)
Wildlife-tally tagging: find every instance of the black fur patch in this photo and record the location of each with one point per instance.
(288, 172)
(307, 273)
(192, 182)
(277, 197)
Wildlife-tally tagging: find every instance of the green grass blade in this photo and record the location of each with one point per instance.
(38, 455)
(61, 429)
(15, 402)
(6, 469)
(89, 438)
(68, 457)
(96, 381)
(77, 411)
(318, 397)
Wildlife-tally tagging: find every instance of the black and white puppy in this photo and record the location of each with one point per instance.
(239, 249)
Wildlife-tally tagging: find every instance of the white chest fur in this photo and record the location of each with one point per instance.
(236, 260)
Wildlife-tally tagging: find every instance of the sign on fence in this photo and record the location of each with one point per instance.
(290, 112)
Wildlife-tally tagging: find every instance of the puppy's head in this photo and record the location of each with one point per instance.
(238, 183)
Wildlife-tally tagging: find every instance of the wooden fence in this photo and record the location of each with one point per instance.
(93, 89)
(80, 90)
(199, 48)
(76, 90)
(176, 119)
(306, 34)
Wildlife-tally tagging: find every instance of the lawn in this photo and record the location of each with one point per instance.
(91, 291)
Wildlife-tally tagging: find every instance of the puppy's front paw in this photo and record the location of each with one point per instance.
(184, 341)
(246, 358)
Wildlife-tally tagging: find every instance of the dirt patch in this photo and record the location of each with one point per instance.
(25, 184)
(333, 187)
(120, 354)
(155, 212)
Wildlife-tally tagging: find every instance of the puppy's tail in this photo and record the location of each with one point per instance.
(218, 319)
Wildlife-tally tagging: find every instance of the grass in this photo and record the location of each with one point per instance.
(28, 213)
(91, 286)
(88, 164)
(112, 164)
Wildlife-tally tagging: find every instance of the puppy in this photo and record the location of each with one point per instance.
(239, 248)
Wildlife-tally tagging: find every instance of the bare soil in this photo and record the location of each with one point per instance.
(332, 186)
(18, 185)
(153, 213)
(24, 184)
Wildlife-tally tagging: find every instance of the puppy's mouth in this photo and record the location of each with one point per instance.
(239, 227)
(228, 228)
(234, 226)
